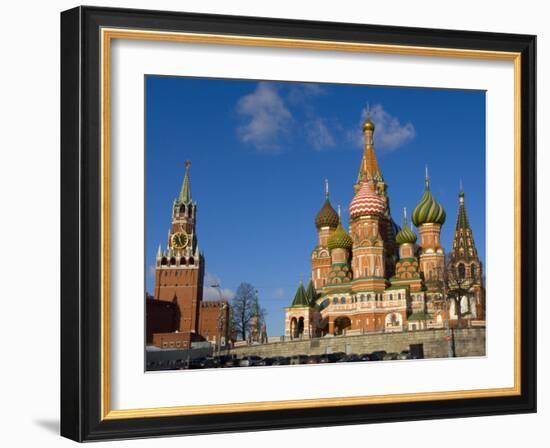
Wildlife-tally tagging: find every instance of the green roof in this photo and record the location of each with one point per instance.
(300, 299)
(311, 293)
(406, 234)
(185, 192)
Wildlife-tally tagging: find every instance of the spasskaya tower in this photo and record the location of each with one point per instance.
(179, 272)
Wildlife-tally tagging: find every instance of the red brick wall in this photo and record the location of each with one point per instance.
(209, 314)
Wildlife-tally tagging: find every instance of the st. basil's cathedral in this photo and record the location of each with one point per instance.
(377, 277)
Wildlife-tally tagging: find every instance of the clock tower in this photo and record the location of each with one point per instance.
(179, 272)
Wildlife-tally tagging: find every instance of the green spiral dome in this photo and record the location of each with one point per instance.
(327, 216)
(340, 239)
(406, 235)
(428, 211)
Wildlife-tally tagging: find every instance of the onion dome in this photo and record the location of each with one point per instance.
(340, 239)
(406, 235)
(327, 216)
(366, 202)
(428, 210)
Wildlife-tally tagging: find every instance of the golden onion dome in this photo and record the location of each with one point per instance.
(368, 125)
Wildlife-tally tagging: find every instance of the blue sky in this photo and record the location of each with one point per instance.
(260, 152)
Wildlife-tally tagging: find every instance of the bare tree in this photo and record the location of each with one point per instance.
(246, 310)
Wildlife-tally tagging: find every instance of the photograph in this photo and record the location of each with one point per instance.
(275, 223)
(293, 223)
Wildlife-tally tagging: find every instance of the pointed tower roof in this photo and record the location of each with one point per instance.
(300, 298)
(369, 168)
(185, 192)
(311, 293)
(463, 243)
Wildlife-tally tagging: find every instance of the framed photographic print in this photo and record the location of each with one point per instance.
(276, 224)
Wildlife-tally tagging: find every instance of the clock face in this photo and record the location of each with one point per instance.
(180, 240)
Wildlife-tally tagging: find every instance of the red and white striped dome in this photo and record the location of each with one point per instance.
(366, 202)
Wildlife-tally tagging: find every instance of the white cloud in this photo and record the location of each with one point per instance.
(212, 289)
(318, 134)
(299, 93)
(266, 117)
(389, 133)
(279, 293)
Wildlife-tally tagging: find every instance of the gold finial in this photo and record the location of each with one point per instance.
(326, 188)
(339, 211)
(368, 125)
(187, 164)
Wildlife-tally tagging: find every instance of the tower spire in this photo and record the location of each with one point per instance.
(427, 178)
(369, 169)
(463, 245)
(185, 192)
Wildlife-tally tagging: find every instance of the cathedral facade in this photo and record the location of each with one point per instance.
(379, 277)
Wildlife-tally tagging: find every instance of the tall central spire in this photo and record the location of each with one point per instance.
(185, 192)
(369, 169)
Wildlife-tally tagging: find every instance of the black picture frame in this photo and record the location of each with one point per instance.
(81, 219)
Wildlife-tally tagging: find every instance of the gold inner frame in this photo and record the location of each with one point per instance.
(107, 35)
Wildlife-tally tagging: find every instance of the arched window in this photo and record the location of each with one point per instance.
(391, 297)
(368, 297)
(473, 270)
(189, 210)
(398, 296)
(172, 261)
(182, 261)
(335, 300)
(164, 261)
(343, 300)
(182, 209)
(191, 260)
(362, 297)
(461, 270)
